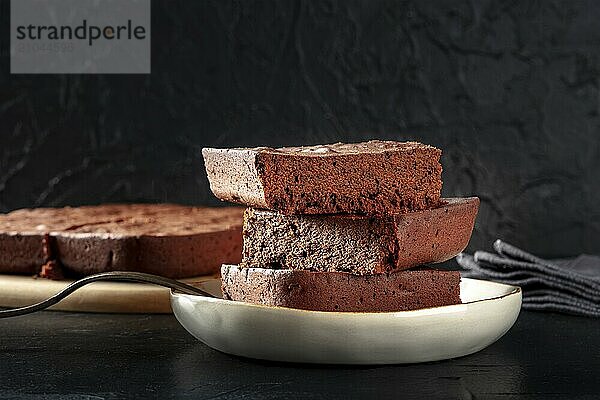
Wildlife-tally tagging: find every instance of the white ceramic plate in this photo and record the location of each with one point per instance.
(488, 311)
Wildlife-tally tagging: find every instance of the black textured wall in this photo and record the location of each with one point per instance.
(508, 89)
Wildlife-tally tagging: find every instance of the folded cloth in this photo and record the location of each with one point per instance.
(567, 285)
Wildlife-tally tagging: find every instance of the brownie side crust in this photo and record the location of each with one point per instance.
(357, 244)
(235, 174)
(338, 291)
(372, 178)
(170, 240)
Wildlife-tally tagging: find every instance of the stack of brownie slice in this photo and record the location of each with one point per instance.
(342, 227)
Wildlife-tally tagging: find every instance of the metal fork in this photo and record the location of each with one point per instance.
(105, 276)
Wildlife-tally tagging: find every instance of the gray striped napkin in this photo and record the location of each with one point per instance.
(567, 285)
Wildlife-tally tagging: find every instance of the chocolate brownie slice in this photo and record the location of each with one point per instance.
(376, 177)
(340, 291)
(169, 240)
(358, 244)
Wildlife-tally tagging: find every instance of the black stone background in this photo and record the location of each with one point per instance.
(508, 89)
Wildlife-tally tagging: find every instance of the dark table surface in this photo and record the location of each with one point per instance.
(93, 356)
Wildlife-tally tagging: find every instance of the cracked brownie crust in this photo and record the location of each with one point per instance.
(374, 178)
(338, 291)
(169, 240)
(358, 244)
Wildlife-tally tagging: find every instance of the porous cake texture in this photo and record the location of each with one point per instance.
(372, 178)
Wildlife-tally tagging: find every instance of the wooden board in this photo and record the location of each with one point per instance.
(103, 297)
